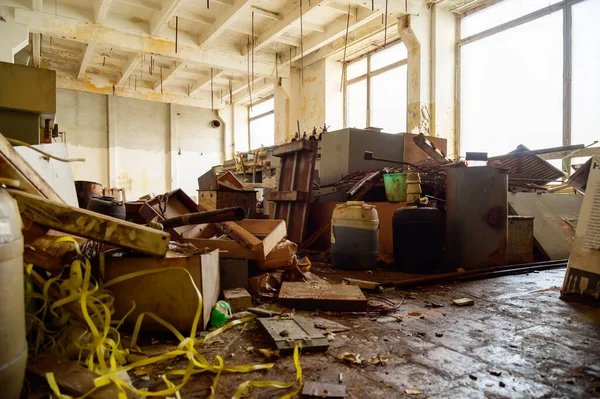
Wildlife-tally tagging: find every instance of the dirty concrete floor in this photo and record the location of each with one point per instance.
(542, 346)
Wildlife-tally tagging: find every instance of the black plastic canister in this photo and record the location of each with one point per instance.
(418, 235)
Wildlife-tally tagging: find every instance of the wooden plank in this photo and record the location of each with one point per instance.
(287, 196)
(43, 260)
(235, 231)
(238, 298)
(95, 226)
(316, 295)
(13, 166)
(73, 378)
(272, 232)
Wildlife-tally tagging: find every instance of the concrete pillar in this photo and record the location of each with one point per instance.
(13, 38)
(415, 32)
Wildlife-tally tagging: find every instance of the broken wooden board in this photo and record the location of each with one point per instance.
(318, 295)
(238, 298)
(286, 332)
(170, 205)
(72, 378)
(13, 166)
(254, 238)
(169, 295)
(92, 225)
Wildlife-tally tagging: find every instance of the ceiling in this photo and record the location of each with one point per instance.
(196, 52)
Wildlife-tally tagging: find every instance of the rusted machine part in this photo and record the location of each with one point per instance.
(489, 272)
(216, 216)
(429, 148)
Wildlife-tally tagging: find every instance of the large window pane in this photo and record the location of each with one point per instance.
(585, 109)
(262, 131)
(500, 13)
(356, 112)
(388, 56)
(356, 69)
(511, 88)
(262, 107)
(388, 93)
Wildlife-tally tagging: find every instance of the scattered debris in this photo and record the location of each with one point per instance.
(463, 302)
(238, 298)
(329, 326)
(502, 385)
(495, 373)
(414, 314)
(317, 389)
(473, 377)
(353, 358)
(269, 353)
(434, 305)
(439, 335)
(341, 377)
(379, 360)
(413, 391)
(421, 334)
(363, 284)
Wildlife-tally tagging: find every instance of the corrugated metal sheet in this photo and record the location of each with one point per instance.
(528, 169)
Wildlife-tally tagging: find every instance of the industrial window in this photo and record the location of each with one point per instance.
(515, 84)
(262, 123)
(376, 90)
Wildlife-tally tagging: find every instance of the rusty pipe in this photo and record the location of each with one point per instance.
(215, 216)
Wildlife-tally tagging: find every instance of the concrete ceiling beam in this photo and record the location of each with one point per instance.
(204, 82)
(88, 53)
(167, 10)
(141, 43)
(224, 21)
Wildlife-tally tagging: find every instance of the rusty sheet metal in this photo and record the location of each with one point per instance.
(322, 296)
(295, 180)
(527, 169)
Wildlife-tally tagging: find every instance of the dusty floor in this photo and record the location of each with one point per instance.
(542, 346)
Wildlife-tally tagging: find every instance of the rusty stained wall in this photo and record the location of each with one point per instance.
(142, 142)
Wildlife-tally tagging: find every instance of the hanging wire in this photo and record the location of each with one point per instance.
(386, 24)
(161, 81)
(212, 91)
(345, 48)
(176, 32)
(301, 46)
(252, 50)
(249, 89)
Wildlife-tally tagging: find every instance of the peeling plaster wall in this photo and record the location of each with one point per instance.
(312, 94)
(142, 143)
(83, 116)
(157, 147)
(198, 146)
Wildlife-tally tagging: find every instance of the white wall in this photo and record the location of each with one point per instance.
(141, 146)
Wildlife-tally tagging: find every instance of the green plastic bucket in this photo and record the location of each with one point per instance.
(395, 187)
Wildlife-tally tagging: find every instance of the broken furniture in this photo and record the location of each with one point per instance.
(168, 294)
(286, 332)
(170, 205)
(476, 217)
(292, 198)
(259, 237)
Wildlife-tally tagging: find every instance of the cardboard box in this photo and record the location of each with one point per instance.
(582, 279)
(169, 295)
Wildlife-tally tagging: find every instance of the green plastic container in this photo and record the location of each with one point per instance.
(395, 187)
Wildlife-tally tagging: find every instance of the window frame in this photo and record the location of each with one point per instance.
(253, 118)
(567, 43)
(368, 76)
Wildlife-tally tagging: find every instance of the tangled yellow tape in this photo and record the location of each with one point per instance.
(104, 354)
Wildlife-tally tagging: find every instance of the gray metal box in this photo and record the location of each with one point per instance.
(342, 152)
(476, 217)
